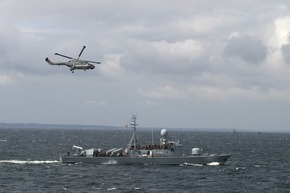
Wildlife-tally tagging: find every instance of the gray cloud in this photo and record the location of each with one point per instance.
(286, 51)
(246, 47)
(162, 57)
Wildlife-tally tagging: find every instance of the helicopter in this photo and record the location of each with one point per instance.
(74, 64)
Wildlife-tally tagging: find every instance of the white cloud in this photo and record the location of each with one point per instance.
(281, 33)
(236, 94)
(110, 67)
(98, 103)
(5, 80)
(187, 50)
(203, 24)
(166, 92)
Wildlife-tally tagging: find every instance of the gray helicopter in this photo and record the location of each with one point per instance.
(75, 64)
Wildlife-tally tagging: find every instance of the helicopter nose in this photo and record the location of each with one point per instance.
(92, 66)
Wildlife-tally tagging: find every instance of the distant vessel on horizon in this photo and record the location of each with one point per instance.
(234, 131)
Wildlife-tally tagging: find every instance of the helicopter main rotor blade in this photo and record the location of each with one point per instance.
(63, 56)
(92, 61)
(81, 52)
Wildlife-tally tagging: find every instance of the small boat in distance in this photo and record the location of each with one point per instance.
(166, 153)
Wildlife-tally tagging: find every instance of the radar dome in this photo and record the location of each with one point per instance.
(164, 133)
(196, 151)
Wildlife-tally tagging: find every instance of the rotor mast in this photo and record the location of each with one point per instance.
(81, 51)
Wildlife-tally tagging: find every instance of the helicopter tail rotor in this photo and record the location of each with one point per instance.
(48, 61)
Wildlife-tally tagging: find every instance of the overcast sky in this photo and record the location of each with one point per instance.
(177, 64)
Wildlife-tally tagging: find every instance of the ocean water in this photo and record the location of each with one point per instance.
(29, 162)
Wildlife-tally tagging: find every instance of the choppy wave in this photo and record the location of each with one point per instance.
(29, 161)
(200, 165)
(191, 164)
(109, 189)
(213, 164)
(259, 161)
(111, 162)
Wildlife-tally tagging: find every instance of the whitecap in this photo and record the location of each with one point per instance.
(109, 189)
(111, 162)
(29, 161)
(213, 164)
(190, 164)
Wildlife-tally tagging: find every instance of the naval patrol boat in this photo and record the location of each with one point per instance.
(166, 153)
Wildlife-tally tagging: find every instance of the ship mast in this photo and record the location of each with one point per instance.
(134, 139)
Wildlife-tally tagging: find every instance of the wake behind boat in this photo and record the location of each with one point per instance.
(165, 153)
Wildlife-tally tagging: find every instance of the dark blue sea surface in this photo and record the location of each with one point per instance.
(29, 162)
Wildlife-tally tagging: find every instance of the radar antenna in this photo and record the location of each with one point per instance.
(134, 139)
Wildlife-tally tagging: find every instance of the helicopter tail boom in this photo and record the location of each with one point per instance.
(52, 63)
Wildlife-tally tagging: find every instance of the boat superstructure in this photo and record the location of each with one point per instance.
(166, 152)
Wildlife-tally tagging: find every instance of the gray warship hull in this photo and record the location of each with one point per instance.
(202, 160)
(166, 153)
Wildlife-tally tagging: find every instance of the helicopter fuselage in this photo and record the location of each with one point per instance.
(79, 64)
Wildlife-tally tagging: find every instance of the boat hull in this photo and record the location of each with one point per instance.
(203, 160)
